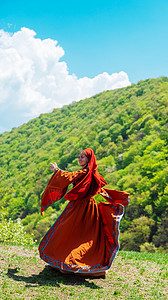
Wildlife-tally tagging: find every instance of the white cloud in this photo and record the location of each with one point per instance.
(33, 80)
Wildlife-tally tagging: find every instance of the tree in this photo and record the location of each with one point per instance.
(137, 234)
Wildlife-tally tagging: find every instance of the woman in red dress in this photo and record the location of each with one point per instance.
(84, 239)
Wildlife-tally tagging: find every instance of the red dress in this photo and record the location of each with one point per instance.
(84, 239)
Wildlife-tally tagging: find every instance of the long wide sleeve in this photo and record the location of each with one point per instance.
(57, 186)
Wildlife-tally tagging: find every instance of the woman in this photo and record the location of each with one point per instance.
(84, 239)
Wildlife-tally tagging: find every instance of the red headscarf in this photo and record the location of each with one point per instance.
(91, 184)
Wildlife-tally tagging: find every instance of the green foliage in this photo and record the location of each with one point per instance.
(14, 233)
(128, 130)
(106, 165)
(137, 234)
(160, 237)
(148, 247)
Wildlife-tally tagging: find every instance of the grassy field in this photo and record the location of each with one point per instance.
(23, 275)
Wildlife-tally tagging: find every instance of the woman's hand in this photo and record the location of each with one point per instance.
(53, 166)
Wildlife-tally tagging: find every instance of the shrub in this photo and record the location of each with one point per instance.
(12, 232)
(137, 234)
(148, 247)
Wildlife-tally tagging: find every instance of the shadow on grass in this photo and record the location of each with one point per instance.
(50, 277)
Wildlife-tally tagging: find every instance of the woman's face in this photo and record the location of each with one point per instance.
(83, 160)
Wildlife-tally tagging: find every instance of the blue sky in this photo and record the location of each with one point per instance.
(97, 36)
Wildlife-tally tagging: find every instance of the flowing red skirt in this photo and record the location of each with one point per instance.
(84, 239)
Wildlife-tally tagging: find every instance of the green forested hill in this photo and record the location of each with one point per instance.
(128, 130)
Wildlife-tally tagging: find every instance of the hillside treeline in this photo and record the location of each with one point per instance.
(128, 130)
